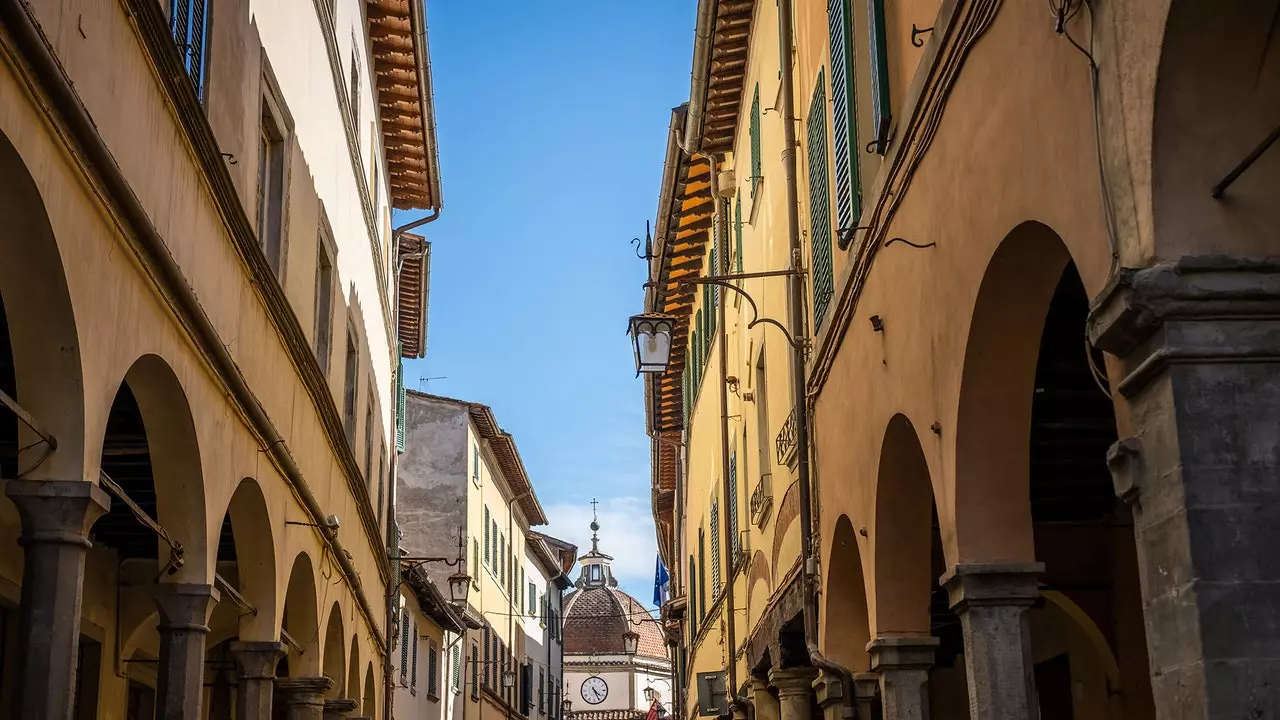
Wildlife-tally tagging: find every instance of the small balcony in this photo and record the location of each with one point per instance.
(785, 444)
(762, 500)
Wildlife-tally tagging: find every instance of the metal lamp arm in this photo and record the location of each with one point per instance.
(755, 311)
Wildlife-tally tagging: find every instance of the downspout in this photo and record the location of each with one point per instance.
(392, 609)
(63, 96)
(799, 387)
(691, 139)
(737, 702)
(511, 595)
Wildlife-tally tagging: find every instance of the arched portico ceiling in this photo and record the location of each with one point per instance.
(245, 537)
(334, 651)
(353, 673)
(845, 624)
(369, 707)
(987, 518)
(40, 354)
(901, 534)
(300, 619)
(151, 454)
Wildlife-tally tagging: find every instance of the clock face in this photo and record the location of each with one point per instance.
(595, 690)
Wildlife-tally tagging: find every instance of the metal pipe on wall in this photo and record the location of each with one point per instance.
(796, 311)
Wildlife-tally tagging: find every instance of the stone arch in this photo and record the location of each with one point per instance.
(1216, 97)
(845, 625)
(253, 547)
(353, 672)
(788, 511)
(151, 451)
(300, 619)
(989, 519)
(334, 665)
(901, 536)
(369, 708)
(758, 572)
(40, 362)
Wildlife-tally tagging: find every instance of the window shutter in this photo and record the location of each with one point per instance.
(880, 107)
(195, 53)
(754, 129)
(487, 542)
(433, 671)
(475, 557)
(737, 229)
(404, 647)
(734, 540)
(819, 203)
(693, 599)
(413, 641)
(400, 405)
(715, 548)
(844, 121)
(455, 668)
(702, 572)
(475, 670)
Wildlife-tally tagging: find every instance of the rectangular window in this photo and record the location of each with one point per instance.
(819, 203)
(349, 387)
(324, 302)
(502, 560)
(754, 130)
(542, 691)
(189, 23)
(763, 438)
(735, 542)
(487, 543)
(475, 557)
(455, 669)
(475, 671)
(489, 657)
(702, 569)
(533, 599)
(413, 673)
(715, 549)
(401, 400)
(475, 463)
(404, 646)
(433, 670)
(844, 120)
(881, 109)
(693, 600)
(271, 147)
(493, 562)
(737, 240)
(355, 85)
(382, 484)
(368, 438)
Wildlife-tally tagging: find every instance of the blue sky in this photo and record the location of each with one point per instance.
(552, 127)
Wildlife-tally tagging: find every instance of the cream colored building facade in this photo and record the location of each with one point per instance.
(1033, 245)
(198, 349)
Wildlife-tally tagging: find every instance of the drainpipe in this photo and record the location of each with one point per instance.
(799, 387)
(691, 139)
(47, 68)
(736, 701)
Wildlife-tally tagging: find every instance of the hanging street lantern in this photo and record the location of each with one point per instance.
(459, 585)
(630, 642)
(650, 694)
(508, 679)
(651, 335)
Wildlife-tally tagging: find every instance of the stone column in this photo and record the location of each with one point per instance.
(184, 623)
(903, 664)
(303, 697)
(992, 600)
(339, 709)
(1198, 343)
(865, 686)
(795, 691)
(828, 690)
(763, 700)
(257, 663)
(56, 517)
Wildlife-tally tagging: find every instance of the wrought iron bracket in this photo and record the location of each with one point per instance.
(725, 281)
(916, 32)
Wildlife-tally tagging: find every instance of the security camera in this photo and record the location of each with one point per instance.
(332, 522)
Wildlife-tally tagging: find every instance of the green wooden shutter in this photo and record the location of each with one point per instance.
(755, 140)
(702, 572)
(693, 599)
(400, 406)
(734, 539)
(737, 230)
(844, 121)
(715, 549)
(488, 553)
(880, 107)
(819, 202)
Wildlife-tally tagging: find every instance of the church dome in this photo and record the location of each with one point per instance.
(597, 613)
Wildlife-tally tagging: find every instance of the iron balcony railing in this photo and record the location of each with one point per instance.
(785, 444)
(762, 500)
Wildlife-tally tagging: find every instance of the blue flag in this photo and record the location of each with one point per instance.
(661, 583)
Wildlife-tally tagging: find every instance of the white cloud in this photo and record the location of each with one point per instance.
(626, 533)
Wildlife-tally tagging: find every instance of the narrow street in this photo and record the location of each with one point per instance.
(950, 388)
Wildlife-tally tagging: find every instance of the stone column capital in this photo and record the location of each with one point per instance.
(828, 689)
(900, 652)
(865, 685)
(58, 512)
(258, 660)
(304, 690)
(185, 606)
(339, 708)
(992, 584)
(793, 681)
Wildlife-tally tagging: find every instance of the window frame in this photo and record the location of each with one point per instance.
(272, 109)
(323, 302)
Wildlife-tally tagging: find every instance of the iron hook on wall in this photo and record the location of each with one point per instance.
(916, 32)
